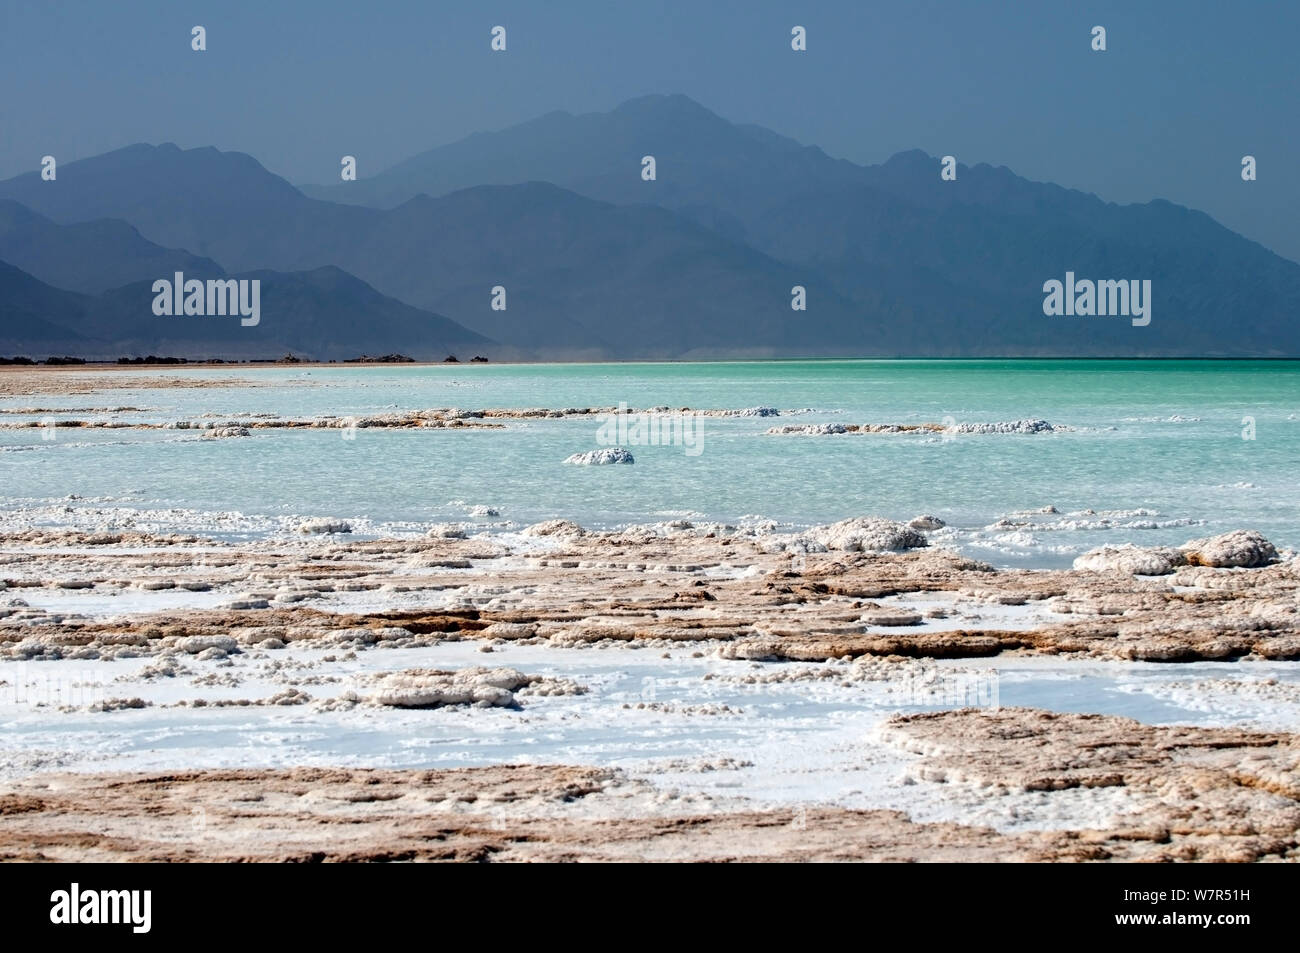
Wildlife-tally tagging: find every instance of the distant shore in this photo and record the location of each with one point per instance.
(8, 365)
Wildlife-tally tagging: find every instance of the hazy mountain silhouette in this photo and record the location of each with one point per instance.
(978, 248)
(31, 313)
(583, 278)
(701, 262)
(324, 314)
(590, 278)
(222, 205)
(718, 172)
(87, 256)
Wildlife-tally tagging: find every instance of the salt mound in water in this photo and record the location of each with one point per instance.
(601, 457)
(1028, 425)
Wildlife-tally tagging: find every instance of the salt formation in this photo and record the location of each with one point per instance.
(1242, 547)
(321, 525)
(1138, 560)
(481, 687)
(601, 457)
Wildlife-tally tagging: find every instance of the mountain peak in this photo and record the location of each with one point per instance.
(670, 100)
(671, 105)
(909, 159)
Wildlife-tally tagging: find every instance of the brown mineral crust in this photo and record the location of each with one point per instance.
(16, 381)
(1206, 794)
(1211, 794)
(635, 585)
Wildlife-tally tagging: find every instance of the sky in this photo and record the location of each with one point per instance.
(1183, 91)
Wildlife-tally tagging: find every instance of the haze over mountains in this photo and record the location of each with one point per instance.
(598, 263)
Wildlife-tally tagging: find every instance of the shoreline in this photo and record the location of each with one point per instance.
(222, 364)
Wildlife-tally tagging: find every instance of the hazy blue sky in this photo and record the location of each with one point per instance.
(1185, 89)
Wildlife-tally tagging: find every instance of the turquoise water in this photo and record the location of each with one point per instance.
(1156, 451)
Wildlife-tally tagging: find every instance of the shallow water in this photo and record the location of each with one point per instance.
(1157, 453)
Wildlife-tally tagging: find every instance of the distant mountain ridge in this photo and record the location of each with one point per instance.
(88, 257)
(583, 279)
(31, 313)
(325, 314)
(597, 263)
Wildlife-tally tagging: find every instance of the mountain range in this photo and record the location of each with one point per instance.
(309, 313)
(597, 262)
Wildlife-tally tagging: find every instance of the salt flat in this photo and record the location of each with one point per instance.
(271, 632)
